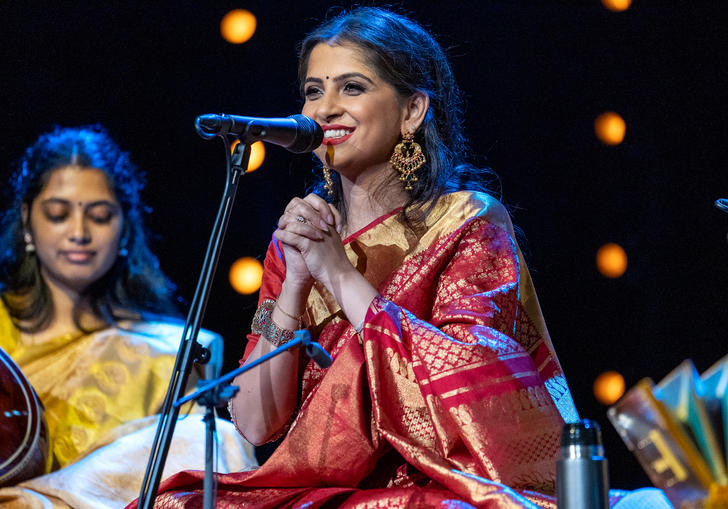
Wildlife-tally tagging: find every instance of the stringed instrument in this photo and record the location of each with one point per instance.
(24, 444)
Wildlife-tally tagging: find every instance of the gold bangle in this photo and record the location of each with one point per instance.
(289, 315)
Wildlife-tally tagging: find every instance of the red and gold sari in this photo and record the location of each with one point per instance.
(451, 396)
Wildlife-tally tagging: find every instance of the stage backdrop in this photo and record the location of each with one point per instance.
(535, 76)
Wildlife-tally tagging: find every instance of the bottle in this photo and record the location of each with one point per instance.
(582, 481)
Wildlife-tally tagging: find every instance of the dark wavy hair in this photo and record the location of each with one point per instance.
(407, 57)
(134, 284)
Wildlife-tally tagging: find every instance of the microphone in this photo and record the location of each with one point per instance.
(722, 204)
(297, 133)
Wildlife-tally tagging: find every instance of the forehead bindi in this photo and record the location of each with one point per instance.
(330, 61)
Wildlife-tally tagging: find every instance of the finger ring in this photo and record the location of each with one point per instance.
(300, 219)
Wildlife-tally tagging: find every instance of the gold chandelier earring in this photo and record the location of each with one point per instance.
(329, 185)
(407, 158)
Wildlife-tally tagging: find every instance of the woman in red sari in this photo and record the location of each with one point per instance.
(445, 389)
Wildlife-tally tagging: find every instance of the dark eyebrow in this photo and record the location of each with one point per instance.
(56, 200)
(348, 75)
(103, 202)
(341, 77)
(61, 201)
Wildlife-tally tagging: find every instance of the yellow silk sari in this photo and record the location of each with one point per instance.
(91, 383)
(101, 392)
(451, 394)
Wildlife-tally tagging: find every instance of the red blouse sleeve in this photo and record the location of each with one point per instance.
(274, 271)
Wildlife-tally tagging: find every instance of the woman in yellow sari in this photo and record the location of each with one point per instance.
(445, 390)
(79, 292)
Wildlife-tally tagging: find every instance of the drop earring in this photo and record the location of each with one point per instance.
(123, 251)
(407, 158)
(29, 246)
(329, 185)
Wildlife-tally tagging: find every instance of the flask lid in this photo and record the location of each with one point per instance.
(585, 432)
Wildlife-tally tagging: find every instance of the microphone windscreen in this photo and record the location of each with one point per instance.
(309, 135)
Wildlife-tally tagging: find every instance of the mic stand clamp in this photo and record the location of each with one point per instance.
(211, 398)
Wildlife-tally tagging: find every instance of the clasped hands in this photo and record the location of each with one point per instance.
(309, 231)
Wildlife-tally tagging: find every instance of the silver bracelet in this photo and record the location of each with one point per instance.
(264, 325)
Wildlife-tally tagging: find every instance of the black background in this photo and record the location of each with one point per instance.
(535, 73)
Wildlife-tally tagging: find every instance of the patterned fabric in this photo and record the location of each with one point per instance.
(91, 383)
(100, 392)
(111, 475)
(451, 396)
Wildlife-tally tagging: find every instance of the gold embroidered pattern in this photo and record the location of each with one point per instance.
(453, 372)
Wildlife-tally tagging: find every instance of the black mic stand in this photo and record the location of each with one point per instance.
(190, 351)
(214, 393)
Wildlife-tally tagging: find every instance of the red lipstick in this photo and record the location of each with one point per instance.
(340, 137)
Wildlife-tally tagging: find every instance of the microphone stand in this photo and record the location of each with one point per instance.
(215, 393)
(190, 351)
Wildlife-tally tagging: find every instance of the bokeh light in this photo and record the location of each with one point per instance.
(257, 154)
(609, 387)
(237, 26)
(610, 128)
(617, 5)
(611, 260)
(245, 275)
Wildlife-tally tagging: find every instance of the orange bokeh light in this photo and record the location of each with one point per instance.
(237, 26)
(246, 275)
(610, 128)
(617, 5)
(611, 260)
(609, 387)
(257, 154)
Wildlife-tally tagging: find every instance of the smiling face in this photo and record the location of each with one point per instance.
(362, 116)
(76, 223)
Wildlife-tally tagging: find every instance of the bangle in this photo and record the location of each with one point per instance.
(289, 315)
(264, 325)
(276, 335)
(262, 316)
